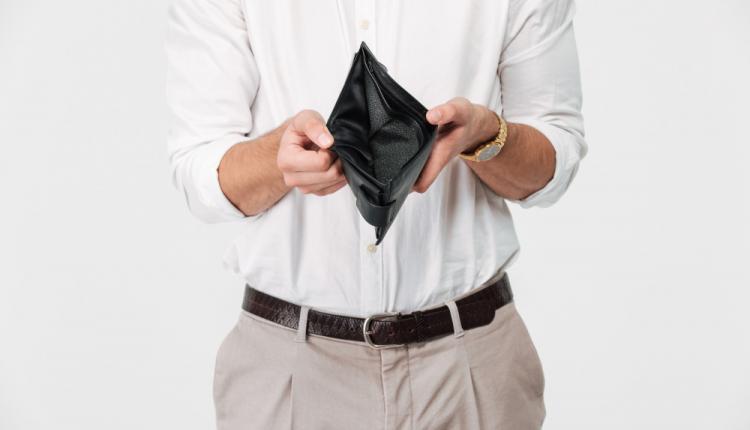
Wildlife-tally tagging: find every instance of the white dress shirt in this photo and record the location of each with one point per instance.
(237, 69)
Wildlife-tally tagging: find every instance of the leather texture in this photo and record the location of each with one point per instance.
(475, 310)
(382, 138)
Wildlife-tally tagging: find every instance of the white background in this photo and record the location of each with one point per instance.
(635, 286)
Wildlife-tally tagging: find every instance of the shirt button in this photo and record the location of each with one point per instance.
(372, 248)
(364, 24)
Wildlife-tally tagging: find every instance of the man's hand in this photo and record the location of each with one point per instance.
(255, 174)
(525, 165)
(304, 158)
(462, 125)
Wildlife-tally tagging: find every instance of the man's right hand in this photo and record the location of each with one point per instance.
(304, 158)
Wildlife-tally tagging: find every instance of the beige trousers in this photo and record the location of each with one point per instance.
(272, 377)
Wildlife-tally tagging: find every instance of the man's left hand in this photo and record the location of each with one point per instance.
(462, 125)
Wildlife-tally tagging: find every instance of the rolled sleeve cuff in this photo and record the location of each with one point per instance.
(204, 196)
(568, 153)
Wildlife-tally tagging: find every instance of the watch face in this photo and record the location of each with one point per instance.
(488, 152)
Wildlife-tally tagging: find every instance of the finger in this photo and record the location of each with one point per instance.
(455, 110)
(437, 160)
(333, 174)
(330, 190)
(293, 158)
(312, 189)
(309, 124)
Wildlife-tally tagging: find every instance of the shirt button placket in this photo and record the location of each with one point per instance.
(371, 262)
(371, 256)
(366, 22)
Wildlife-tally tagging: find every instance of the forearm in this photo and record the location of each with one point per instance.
(249, 175)
(525, 164)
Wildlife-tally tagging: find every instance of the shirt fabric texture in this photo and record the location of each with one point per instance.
(237, 69)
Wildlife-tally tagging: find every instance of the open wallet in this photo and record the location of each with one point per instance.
(382, 138)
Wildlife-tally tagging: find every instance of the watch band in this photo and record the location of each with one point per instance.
(490, 149)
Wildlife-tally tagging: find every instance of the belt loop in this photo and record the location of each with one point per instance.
(458, 331)
(302, 324)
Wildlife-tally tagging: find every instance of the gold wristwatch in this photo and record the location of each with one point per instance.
(491, 148)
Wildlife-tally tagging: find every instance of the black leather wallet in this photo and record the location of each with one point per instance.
(382, 138)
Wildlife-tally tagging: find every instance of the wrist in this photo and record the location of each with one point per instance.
(486, 129)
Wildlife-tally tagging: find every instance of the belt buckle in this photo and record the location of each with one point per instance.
(366, 332)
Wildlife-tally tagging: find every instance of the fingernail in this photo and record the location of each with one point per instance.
(325, 139)
(434, 115)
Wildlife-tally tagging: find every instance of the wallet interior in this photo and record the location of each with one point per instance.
(382, 137)
(385, 127)
(393, 139)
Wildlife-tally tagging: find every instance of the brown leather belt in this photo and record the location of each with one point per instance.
(388, 329)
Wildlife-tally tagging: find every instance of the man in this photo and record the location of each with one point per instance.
(250, 85)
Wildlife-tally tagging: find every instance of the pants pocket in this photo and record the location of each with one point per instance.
(252, 377)
(506, 373)
(222, 369)
(530, 356)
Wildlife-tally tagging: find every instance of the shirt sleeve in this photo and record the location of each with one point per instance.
(211, 83)
(541, 87)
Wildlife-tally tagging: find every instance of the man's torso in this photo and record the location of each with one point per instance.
(318, 251)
